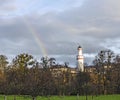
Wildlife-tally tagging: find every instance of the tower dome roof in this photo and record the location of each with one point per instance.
(79, 47)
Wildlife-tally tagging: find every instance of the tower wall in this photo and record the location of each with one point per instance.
(80, 60)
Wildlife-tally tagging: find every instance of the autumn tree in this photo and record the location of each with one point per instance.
(34, 81)
(21, 64)
(52, 61)
(3, 62)
(116, 74)
(23, 61)
(3, 68)
(47, 62)
(47, 77)
(82, 80)
(103, 63)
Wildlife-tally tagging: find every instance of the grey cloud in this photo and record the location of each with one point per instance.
(7, 7)
(5, 1)
(89, 25)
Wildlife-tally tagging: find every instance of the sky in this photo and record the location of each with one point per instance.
(55, 28)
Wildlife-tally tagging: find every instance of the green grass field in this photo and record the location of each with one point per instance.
(105, 97)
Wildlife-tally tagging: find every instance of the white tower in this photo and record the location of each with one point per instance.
(80, 60)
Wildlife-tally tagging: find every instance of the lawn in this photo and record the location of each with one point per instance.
(105, 97)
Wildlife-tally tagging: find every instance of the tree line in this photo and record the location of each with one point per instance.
(26, 76)
(107, 74)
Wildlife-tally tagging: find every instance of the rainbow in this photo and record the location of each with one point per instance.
(37, 38)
